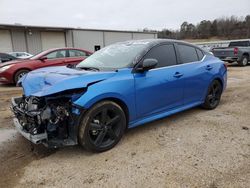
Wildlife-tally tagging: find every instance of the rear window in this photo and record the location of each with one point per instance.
(187, 53)
(200, 54)
(239, 43)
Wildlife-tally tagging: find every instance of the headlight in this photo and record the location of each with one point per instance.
(5, 68)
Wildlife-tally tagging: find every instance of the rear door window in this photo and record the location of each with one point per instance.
(57, 54)
(77, 53)
(164, 54)
(187, 53)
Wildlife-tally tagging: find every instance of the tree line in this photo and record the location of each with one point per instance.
(224, 28)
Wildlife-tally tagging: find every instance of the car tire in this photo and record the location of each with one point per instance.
(244, 61)
(213, 96)
(102, 126)
(19, 74)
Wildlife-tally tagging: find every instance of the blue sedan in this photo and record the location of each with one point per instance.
(121, 86)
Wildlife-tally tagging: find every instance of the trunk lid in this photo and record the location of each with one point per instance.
(224, 52)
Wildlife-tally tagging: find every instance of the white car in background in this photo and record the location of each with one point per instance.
(21, 55)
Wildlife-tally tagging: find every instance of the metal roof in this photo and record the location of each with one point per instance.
(20, 26)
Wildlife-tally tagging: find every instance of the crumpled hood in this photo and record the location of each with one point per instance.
(47, 81)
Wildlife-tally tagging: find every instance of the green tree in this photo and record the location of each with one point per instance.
(213, 29)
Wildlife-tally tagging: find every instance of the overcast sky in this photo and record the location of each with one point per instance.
(118, 14)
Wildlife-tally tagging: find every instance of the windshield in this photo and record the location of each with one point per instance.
(116, 56)
(38, 55)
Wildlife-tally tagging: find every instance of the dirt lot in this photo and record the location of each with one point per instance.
(195, 148)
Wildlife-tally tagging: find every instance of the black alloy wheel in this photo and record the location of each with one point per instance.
(213, 96)
(102, 126)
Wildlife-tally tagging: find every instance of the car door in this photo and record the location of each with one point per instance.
(55, 58)
(75, 56)
(159, 89)
(195, 73)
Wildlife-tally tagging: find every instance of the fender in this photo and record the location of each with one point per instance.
(118, 87)
(216, 77)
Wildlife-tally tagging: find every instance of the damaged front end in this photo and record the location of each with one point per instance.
(47, 112)
(50, 120)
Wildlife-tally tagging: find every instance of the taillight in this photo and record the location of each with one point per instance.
(236, 50)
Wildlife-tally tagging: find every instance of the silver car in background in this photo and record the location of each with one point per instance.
(21, 55)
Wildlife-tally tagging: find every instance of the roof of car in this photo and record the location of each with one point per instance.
(153, 42)
(55, 49)
(156, 41)
(17, 52)
(148, 41)
(66, 48)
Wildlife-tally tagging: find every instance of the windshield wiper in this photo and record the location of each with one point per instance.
(89, 68)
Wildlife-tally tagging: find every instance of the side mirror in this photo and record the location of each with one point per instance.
(43, 58)
(147, 64)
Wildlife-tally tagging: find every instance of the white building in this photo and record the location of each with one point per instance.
(34, 39)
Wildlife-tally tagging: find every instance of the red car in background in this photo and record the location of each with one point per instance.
(12, 71)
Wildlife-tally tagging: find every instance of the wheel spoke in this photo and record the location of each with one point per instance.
(214, 88)
(112, 134)
(100, 137)
(104, 116)
(95, 126)
(113, 121)
(210, 97)
(105, 126)
(217, 97)
(213, 96)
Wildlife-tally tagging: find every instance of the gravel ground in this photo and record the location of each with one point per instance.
(195, 148)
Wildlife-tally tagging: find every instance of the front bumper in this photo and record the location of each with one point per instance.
(3, 80)
(45, 137)
(36, 139)
(6, 78)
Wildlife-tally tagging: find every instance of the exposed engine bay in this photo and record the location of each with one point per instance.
(47, 120)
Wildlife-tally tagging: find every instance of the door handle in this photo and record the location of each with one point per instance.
(178, 75)
(209, 67)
